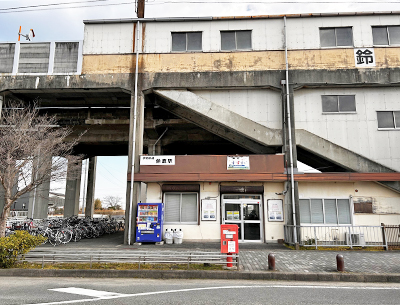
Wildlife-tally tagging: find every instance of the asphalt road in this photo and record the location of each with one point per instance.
(57, 291)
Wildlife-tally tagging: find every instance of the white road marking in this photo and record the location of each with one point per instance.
(117, 296)
(88, 292)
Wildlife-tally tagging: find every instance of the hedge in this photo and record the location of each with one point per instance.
(17, 244)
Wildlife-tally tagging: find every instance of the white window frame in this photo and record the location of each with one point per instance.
(394, 120)
(339, 112)
(180, 208)
(236, 48)
(336, 46)
(351, 211)
(387, 35)
(186, 42)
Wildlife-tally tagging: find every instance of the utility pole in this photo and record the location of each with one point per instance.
(140, 8)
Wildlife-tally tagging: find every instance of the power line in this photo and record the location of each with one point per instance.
(110, 173)
(63, 8)
(55, 6)
(46, 5)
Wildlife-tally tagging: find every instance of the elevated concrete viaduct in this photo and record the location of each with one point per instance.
(220, 102)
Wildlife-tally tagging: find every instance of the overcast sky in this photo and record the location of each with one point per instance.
(62, 19)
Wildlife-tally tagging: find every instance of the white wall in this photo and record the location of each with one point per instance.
(266, 34)
(303, 33)
(386, 203)
(261, 106)
(110, 38)
(357, 132)
(210, 230)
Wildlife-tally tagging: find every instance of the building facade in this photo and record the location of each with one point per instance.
(200, 94)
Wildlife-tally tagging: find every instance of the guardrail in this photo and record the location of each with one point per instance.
(138, 257)
(337, 236)
(41, 58)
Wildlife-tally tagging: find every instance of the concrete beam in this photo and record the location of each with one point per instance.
(219, 120)
(342, 156)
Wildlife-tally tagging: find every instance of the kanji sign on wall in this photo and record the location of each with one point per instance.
(364, 58)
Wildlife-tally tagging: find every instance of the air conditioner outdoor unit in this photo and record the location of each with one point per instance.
(357, 239)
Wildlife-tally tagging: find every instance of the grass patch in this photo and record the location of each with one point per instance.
(118, 266)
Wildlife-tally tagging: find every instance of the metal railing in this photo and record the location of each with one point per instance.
(337, 236)
(138, 257)
(392, 236)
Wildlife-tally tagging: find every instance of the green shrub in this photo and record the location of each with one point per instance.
(19, 243)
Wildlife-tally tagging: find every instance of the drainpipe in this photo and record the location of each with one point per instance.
(134, 134)
(290, 136)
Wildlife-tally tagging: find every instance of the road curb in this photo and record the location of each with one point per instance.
(200, 274)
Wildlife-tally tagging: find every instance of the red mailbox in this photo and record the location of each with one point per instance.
(229, 239)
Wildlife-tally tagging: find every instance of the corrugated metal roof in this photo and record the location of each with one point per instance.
(189, 19)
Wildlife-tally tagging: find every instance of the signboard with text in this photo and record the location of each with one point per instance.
(157, 160)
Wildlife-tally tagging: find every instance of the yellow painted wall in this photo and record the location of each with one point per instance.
(330, 59)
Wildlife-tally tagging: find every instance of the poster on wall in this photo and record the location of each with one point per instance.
(275, 210)
(209, 209)
(236, 162)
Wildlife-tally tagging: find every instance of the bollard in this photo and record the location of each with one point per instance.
(271, 261)
(229, 260)
(340, 262)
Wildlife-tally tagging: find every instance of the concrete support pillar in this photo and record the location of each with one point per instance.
(138, 151)
(72, 190)
(154, 149)
(151, 147)
(89, 209)
(39, 197)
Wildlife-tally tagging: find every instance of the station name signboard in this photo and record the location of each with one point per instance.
(235, 162)
(157, 160)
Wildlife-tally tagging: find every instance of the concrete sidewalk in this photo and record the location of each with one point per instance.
(382, 266)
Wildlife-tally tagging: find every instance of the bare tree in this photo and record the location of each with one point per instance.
(33, 150)
(112, 202)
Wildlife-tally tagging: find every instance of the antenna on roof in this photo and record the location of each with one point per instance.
(27, 36)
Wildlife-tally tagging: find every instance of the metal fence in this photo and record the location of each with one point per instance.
(337, 236)
(392, 236)
(138, 257)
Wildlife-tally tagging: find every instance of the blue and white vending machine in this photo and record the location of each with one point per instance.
(149, 222)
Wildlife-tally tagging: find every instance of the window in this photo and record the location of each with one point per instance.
(181, 208)
(190, 41)
(336, 37)
(235, 40)
(338, 103)
(386, 35)
(389, 119)
(325, 211)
